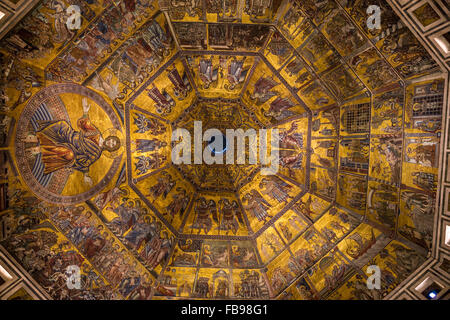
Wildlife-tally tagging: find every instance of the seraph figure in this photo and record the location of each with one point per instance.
(257, 205)
(208, 74)
(146, 145)
(182, 86)
(145, 124)
(163, 100)
(279, 109)
(236, 73)
(276, 188)
(262, 89)
(163, 186)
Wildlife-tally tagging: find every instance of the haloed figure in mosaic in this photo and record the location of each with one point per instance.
(63, 147)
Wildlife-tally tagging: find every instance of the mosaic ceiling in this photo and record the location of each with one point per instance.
(88, 115)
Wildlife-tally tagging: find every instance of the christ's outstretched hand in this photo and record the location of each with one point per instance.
(86, 106)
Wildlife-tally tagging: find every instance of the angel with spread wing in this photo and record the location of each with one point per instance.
(257, 205)
(231, 216)
(207, 72)
(290, 139)
(236, 73)
(181, 84)
(276, 188)
(63, 147)
(204, 210)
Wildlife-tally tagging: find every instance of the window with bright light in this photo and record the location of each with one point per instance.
(447, 235)
(4, 273)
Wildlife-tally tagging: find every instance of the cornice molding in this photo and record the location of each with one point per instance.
(14, 14)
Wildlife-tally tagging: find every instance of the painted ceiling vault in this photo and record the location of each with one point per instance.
(87, 117)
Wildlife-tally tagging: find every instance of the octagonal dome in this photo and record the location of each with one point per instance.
(89, 116)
